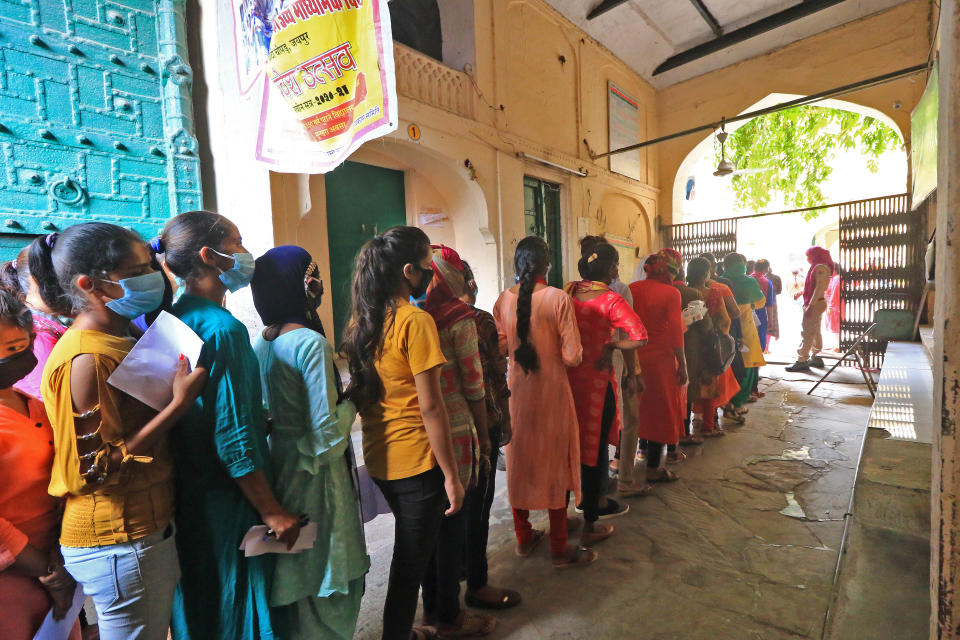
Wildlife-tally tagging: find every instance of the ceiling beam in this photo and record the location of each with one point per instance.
(752, 30)
(603, 7)
(708, 17)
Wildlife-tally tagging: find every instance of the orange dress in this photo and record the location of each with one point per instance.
(660, 405)
(28, 515)
(543, 459)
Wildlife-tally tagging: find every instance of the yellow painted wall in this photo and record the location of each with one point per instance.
(869, 47)
(549, 107)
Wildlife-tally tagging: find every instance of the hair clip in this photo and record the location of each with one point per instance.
(593, 256)
(157, 245)
(51, 239)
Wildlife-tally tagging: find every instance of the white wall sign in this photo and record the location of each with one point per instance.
(624, 126)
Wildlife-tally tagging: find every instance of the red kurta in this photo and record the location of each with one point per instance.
(658, 305)
(598, 319)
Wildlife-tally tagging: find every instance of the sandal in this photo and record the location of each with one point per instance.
(423, 633)
(629, 491)
(505, 599)
(580, 557)
(733, 417)
(676, 457)
(692, 440)
(600, 533)
(715, 432)
(663, 475)
(524, 550)
(469, 625)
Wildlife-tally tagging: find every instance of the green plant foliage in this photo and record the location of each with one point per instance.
(794, 148)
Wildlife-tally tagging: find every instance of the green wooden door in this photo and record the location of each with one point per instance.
(362, 201)
(541, 212)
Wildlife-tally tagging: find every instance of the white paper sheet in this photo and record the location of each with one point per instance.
(257, 542)
(59, 630)
(148, 370)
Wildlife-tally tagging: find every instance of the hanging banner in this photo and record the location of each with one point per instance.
(923, 141)
(331, 61)
(252, 32)
(623, 118)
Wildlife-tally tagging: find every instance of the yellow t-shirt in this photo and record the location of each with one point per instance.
(130, 503)
(395, 443)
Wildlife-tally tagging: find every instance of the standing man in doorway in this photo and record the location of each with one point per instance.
(814, 304)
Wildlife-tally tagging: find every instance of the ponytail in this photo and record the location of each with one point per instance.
(530, 262)
(41, 266)
(377, 275)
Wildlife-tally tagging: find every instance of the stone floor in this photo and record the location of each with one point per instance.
(744, 546)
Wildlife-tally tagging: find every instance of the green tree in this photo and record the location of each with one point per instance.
(789, 152)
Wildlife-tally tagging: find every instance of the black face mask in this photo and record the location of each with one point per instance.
(426, 277)
(16, 367)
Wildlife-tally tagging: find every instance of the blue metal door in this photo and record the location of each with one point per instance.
(95, 116)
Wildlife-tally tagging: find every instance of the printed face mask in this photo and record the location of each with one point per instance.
(16, 367)
(141, 294)
(240, 275)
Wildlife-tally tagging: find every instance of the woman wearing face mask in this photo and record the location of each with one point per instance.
(47, 328)
(395, 360)
(224, 473)
(32, 577)
(319, 590)
(111, 461)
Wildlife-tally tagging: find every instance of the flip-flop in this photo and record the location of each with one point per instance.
(524, 551)
(679, 457)
(665, 475)
(715, 433)
(627, 491)
(508, 599)
(581, 558)
(691, 440)
(423, 633)
(472, 625)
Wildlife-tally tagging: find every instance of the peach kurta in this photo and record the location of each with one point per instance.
(543, 459)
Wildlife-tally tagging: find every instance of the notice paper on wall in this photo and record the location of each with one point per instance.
(148, 371)
(256, 542)
(52, 629)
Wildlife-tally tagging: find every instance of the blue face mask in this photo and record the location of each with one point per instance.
(141, 294)
(242, 272)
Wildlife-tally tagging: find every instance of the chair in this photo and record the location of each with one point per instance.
(888, 324)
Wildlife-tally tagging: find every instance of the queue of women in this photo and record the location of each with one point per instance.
(144, 510)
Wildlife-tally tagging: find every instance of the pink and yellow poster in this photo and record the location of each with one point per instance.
(332, 63)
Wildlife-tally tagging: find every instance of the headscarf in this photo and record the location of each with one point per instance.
(746, 290)
(448, 285)
(816, 256)
(657, 269)
(673, 259)
(279, 292)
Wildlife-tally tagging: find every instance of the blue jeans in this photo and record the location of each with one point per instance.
(131, 584)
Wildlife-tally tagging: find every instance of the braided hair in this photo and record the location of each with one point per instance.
(530, 262)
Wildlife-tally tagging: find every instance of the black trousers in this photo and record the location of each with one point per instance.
(417, 504)
(593, 479)
(477, 506)
(441, 582)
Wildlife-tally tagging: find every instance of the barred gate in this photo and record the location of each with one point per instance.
(882, 244)
(717, 237)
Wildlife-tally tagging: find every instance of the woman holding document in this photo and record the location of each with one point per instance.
(111, 460)
(224, 473)
(318, 591)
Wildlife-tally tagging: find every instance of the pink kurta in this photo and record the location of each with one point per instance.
(543, 459)
(597, 320)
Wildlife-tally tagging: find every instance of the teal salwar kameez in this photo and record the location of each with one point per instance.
(222, 594)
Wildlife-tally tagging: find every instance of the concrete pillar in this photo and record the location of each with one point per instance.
(945, 528)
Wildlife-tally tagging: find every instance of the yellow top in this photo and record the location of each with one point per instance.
(128, 503)
(395, 443)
